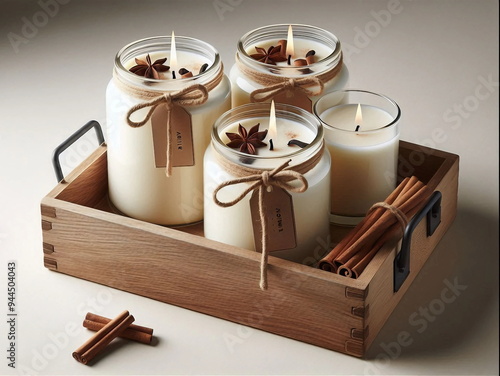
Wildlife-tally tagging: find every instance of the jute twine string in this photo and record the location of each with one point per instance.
(400, 216)
(274, 85)
(192, 95)
(300, 84)
(265, 180)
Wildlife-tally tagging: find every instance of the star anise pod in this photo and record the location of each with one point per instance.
(148, 69)
(248, 142)
(271, 56)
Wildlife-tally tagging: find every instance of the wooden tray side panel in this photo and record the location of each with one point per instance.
(381, 297)
(88, 183)
(429, 165)
(223, 284)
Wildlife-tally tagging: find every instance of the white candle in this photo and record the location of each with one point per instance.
(304, 39)
(137, 187)
(233, 225)
(364, 161)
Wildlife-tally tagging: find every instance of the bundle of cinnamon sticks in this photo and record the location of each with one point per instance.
(384, 222)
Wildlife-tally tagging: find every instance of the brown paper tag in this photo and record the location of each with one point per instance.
(278, 209)
(294, 97)
(182, 136)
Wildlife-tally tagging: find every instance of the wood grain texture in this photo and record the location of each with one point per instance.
(85, 185)
(179, 266)
(204, 276)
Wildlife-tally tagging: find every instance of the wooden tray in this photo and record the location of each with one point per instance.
(82, 237)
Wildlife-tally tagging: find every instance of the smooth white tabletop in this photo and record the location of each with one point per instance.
(437, 59)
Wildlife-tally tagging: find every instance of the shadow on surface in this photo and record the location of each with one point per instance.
(465, 264)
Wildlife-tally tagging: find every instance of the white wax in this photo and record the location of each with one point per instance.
(363, 163)
(233, 225)
(136, 187)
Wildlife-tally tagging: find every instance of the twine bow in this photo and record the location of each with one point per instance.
(190, 96)
(301, 84)
(264, 181)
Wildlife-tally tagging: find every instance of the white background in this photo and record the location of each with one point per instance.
(437, 59)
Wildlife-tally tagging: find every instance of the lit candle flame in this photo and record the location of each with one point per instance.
(289, 42)
(272, 131)
(358, 120)
(173, 54)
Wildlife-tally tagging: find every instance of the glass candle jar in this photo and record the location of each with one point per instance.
(362, 135)
(287, 76)
(159, 127)
(298, 221)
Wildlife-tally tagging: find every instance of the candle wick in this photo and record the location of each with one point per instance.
(357, 128)
(289, 60)
(297, 143)
(271, 145)
(173, 75)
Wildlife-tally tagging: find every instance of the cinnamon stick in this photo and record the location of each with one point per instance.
(345, 271)
(385, 222)
(327, 265)
(351, 262)
(103, 337)
(394, 231)
(374, 216)
(350, 257)
(332, 262)
(133, 332)
(403, 202)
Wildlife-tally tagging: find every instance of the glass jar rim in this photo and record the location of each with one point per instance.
(166, 40)
(390, 101)
(316, 31)
(260, 110)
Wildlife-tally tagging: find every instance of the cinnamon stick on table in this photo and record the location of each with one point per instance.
(103, 337)
(133, 332)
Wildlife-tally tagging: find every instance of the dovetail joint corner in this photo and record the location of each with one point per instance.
(46, 225)
(50, 263)
(359, 334)
(351, 292)
(48, 211)
(355, 348)
(361, 311)
(48, 248)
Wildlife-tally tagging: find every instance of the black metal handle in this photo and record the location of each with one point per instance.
(402, 261)
(70, 141)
